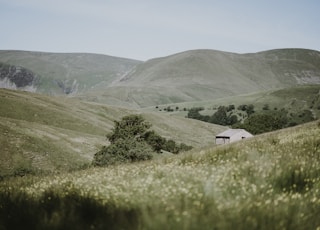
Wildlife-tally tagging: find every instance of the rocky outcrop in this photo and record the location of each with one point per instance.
(17, 77)
(68, 87)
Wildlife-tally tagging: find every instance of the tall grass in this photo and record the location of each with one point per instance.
(271, 181)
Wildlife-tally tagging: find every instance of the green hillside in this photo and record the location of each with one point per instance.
(293, 99)
(69, 73)
(48, 140)
(271, 181)
(190, 76)
(51, 134)
(207, 75)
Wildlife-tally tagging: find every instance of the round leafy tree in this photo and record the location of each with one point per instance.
(126, 143)
(131, 126)
(131, 140)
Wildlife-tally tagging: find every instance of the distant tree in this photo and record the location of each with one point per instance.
(232, 120)
(194, 113)
(250, 109)
(300, 117)
(169, 109)
(247, 108)
(220, 116)
(266, 107)
(242, 107)
(266, 122)
(230, 108)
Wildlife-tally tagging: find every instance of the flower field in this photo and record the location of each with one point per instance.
(271, 181)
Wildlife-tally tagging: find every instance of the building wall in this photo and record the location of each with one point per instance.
(221, 141)
(236, 137)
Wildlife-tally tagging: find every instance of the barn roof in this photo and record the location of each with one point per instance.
(231, 132)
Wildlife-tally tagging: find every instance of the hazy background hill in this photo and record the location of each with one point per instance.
(207, 74)
(63, 73)
(189, 76)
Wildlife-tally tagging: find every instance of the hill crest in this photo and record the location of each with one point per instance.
(194, 75)
(207, 74)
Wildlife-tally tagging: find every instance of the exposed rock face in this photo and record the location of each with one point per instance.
(17, 77)
(67, 87)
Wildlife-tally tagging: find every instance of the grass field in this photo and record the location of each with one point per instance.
(54, 134)
(271, 181)
(293, 99)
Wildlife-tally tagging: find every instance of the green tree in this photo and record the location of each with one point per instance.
(154, 140)
(171, 146)
(194, 113)
(250, 110)
(130, 141)
(123, 151)
(127, 144)
(130, 126)
(266, 122)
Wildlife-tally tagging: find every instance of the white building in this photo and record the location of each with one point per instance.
(232, 135)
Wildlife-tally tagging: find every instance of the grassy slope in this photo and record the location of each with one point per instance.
(88, 70)
(271, 181)
(184, 77)
(58, 133)
(294, 99)
(206, 74)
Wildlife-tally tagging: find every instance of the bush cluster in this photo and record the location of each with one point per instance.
(256, 122)
(221, 117)
(130, 141)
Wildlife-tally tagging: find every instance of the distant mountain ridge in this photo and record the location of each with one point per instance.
(207, 74)
(68, 73)
(194, 75)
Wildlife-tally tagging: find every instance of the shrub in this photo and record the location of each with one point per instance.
(131, 141)
(265, 122)
(266, 107)
(154, 140)
(123, 151)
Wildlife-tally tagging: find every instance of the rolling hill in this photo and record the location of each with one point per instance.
(52, 134)
(271, 181)
(207, 74)
(46, 133)
(63, 73)
(189, 76)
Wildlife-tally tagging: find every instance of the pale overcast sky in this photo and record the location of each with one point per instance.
(145, 29)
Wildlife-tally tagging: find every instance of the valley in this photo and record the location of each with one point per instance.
(57, 109)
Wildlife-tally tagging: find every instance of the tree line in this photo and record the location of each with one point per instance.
(256, 122)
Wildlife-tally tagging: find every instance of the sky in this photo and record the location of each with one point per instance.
(145, 29)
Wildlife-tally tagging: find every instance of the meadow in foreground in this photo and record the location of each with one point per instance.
(271, 181)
